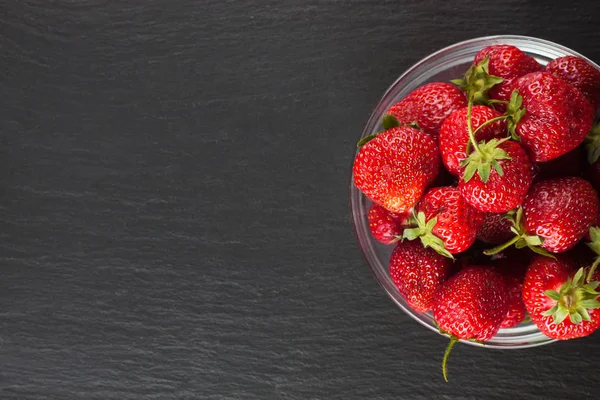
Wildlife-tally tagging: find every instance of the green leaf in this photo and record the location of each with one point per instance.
(553, 294)
(411, 234)
(584, 314)
(590, 304)
(459, 82)
(560, 314)
(533, 240)
(592, 286)
(484, 172)
(575, 317)
(515, 112)
(430, 224)
(497, 167)
(366, 139)
(542, 252)
(389, 122)
(469, 172)
(551, 311)
(519, 216)
(437, 244)
(594, 233)
(592, 144)
(578, 278)
(521, 243)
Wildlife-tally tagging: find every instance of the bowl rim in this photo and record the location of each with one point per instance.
(526, 341)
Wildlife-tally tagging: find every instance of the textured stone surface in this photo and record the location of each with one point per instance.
(173, 202)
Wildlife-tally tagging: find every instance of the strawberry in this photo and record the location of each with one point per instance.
(445, 221)
(502, 188)
(471, 305)
(418, 272)
(555, 215)
(394, 168)
(493, 71)
(513, 270)
(579, 73)
(561, 301)
(557, 116)
(428, 106)
(454, 133)
(495, 229)
(385, 226)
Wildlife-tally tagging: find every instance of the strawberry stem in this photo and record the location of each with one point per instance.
(488, 122)
(470, 128)
(498, 249)
(453, 341)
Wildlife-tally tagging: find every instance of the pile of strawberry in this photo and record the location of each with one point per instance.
(487, 187)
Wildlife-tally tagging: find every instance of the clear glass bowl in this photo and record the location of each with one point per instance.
(443, 65)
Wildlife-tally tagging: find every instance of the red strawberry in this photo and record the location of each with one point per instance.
(429, 105)
(495, 229)
(493, 71)
(513, 270)
(454, 134)
(394, 168)
(560, 302)
(418, 272)
(470, 305)
(445, 221)
(386, 226)
(557, 117)
(502, 188)
(555, 215)
(579, 73)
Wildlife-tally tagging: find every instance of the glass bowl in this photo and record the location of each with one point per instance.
(443, 65)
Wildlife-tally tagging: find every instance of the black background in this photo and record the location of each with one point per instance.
(174, 202)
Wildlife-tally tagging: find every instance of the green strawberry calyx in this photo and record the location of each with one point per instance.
(477, 81)
(573, 299)
(592, 144)
(514, 112)
(485, 155)
(521, 238)
(424, 231)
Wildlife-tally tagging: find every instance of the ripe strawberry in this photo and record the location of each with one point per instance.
(561, 303)
(445, 221)
(493, 72)
(385, 226)
(429, 105)
(513, 270)
(495, 229)
(557, 117)
(502, 188)
(470, 305)
(418, 272)
(394, 168)
(555, 215)
(454, 134)
(579, 73)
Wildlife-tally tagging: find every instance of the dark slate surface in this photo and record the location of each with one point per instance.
(173, 202)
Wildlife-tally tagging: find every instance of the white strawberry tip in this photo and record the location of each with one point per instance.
(573, 299)
(592, 144)
(521, 238)
(424, 231)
